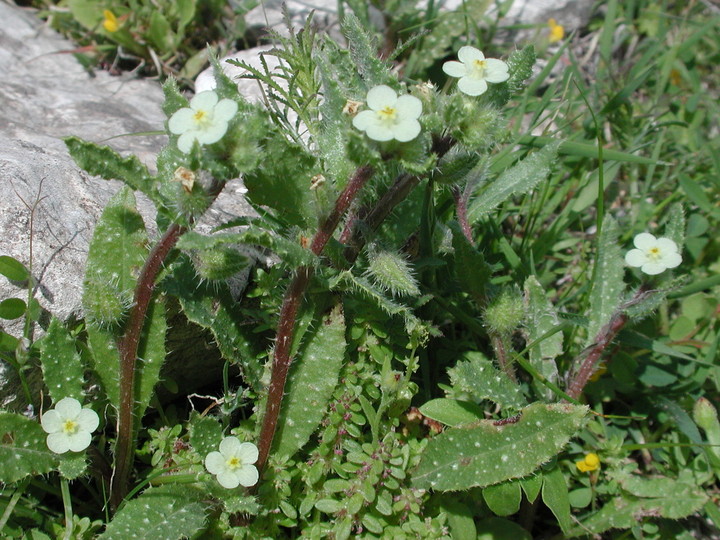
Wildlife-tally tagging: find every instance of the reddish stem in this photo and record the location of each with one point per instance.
(288, 314)
(603, 339)
(461, 212)
(128, 347)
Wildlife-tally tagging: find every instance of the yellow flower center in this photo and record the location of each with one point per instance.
(478, 68)
(590, 463)
(387, 114)
(202, 117)
(654, 253)
(234, 463)
(70, 427)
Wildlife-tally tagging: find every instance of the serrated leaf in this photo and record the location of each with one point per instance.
(471, 269)
(163, 513)
(23, 450)
(13, 269)
(105, 162)
(62, 368)
(73, 466)
(311, 382)
(555, 496)
(488, 454)
(478, 377)
(608, 287)
(452, 412)
(212, 306)
(519, 179)
(364, 52)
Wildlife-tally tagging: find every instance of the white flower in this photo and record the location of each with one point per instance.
(205, 121)
(390, 117)
(233, 464)
(653, 255)
(69, 426)
(475, 71)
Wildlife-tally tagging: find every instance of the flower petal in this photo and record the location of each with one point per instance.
(248, 476)
(225, 110)
(666, 245)
(672, 260)
(636, 257)
(496, 71)
(248, 453)
(468, 54)
(181, 121)
(88, 420)
(364, 119)
(472, 87)
(79, 441)
(212, 133)
(204, 101)
(644, 241)
(653, 268)
(58, 442)
(408, 107)
(379, 132)
(406, 130)
(215, 463)
(51, 421)
(380, 97)
(228, 479)
(454, 69)
(229, 446)
(186, 140)
(68, 408)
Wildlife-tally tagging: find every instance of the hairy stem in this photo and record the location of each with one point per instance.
(461, 213)
(128, 347)
(587, 368)
(288, 313)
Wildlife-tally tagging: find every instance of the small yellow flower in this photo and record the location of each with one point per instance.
(557, 32)
(110, 23)
(591, 462)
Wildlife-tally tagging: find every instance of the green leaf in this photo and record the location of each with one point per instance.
(542, 321)
(311, 382)
(555, 496)
(503, 499)
(105, 162)
(472, 271)
(87, 12)
(23, 450)
(205, 433)
(608, 285)
(163, 513)
(482, 380)
(13, 269)
(212, 306)
(531, 486)
(73, 467)
(585, 149)
(8, 343)
(116, 254)
(283, 182)
(488, 454)
(460, 519)
(364, 52)
(62, 368)
(519, 179)
(12, 308)
(501, 529)
(151, 355)
(159, 32)
(452, 412)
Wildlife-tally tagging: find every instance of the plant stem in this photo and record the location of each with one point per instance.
(67, 505)
(288, 313)
(603, 339)
(128, 347)
(461, 213)
(13, 502)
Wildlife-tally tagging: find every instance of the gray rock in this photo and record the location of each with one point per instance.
(45, 96)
